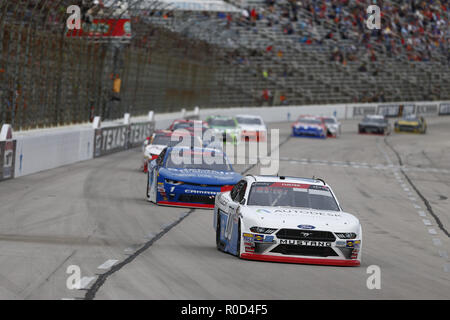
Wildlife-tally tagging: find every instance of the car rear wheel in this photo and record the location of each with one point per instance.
(238, 248)
(148, 186)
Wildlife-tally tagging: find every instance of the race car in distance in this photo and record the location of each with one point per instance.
(226, 126)
(189, 177)
(184, 124)
(286, 219)
(377, 124)
(164, 138)
(252, 128)
(411, 123)
(333, 126)
(309, 126)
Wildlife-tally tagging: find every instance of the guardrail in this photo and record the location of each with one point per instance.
(33, 151)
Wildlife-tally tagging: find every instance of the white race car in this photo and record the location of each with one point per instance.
(252, 127)
(333, 126)
(286, 219)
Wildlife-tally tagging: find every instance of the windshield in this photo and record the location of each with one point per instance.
(245, 120)
(329, 120)
(180, 125)
(222, 122)
(283, 194)
(376, 120)
(309, 120)
(206, 160)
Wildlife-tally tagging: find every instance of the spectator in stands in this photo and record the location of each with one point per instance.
(363, 67)
(288, 29)
(283, 100)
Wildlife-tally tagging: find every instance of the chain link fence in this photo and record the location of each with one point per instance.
(49, 76)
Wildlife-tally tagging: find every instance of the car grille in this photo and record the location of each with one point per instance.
(372, 128)
(196, 198)
(204, 185)
(313, 235)
(304, 250)
(407, 128)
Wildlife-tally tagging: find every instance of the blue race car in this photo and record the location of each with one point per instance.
(309, 126)
(189, 177)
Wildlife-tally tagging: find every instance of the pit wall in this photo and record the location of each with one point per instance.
(28, 152)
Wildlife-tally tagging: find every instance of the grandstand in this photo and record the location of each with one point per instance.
(216, 54)
(319, 51)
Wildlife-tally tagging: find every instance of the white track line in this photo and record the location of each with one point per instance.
(85, 281)
(107, 264)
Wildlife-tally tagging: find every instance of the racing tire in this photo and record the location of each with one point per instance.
(238, 245)
(219, 244)
(148, 187)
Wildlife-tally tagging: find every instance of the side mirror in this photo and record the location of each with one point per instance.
(242, 201)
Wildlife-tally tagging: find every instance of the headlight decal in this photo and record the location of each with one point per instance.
(262, 230)
(346, 235)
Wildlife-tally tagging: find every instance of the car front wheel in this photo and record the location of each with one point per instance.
(238, 245)
(219, 244)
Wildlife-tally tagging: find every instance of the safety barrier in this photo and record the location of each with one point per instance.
(340, 111)
(37, 150)
(7, 153)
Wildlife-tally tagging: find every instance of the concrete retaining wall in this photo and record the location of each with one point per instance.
(43, 149)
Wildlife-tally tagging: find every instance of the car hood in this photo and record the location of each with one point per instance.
(332, 125)
(201, 176)
(154, 149)
(308, 125)
(252, 127)
(298, 218)
(408, 123)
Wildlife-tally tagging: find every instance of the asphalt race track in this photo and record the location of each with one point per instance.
(94, 214)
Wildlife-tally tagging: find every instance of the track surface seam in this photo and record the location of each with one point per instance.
(92, 291)
(425, 201)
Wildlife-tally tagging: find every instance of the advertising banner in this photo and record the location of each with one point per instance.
(103, 29)
(392, 110)
(427, 109)
(7, 159)
(118, 138)
(362, 111)
(409, 109)
(444, 109)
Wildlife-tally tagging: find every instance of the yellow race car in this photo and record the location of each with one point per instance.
(411, 123)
